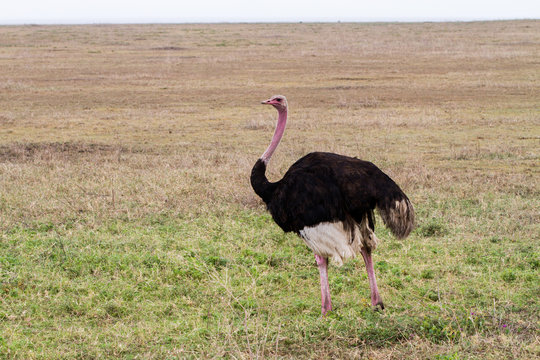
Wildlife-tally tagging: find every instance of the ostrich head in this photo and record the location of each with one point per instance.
(277, 101)
(280, 103)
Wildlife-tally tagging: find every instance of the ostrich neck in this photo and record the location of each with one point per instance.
(278, 134)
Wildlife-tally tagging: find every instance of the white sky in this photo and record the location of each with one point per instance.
(122, 11)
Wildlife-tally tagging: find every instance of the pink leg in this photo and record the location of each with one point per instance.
(325, 288)
(375, 297)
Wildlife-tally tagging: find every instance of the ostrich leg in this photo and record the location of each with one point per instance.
(375, 297)
(322, 263)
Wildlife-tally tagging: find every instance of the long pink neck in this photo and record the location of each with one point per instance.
(278, 134)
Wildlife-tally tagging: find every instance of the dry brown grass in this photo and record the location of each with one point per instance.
(139, 101)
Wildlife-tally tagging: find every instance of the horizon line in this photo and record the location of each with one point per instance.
(156, 21)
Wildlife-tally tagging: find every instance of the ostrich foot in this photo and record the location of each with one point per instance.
(378, 306)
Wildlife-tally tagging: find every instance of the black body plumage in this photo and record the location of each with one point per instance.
(326, 187)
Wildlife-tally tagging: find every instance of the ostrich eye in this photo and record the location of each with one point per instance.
(278, 100)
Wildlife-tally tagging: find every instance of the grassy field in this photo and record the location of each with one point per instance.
(128, 228)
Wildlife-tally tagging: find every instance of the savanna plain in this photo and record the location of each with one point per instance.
(128, 227)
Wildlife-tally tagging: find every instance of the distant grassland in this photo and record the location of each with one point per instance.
(128, 228)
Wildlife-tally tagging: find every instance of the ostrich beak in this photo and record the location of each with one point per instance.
(266, 102)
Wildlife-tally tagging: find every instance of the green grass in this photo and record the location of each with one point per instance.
(233, 285)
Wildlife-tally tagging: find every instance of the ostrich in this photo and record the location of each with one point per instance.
(328, 200)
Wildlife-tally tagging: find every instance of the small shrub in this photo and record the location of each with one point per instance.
(152, 261)
(438, 330)
(396, 283)
(114, 310)
(509, 275)
(495, 239)
(427, 274)
(248, 256)
(382, 266)
(432, 295)
(247, 303)
(473, 259)
(434, 227)
(45, 227)
(216, 261)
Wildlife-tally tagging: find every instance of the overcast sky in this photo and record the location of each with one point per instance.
(129, 11)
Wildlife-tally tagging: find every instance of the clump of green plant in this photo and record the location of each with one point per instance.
(433, 227)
